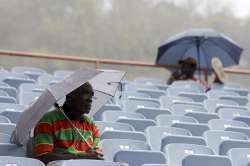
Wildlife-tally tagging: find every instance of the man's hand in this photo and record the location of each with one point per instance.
(90, 155)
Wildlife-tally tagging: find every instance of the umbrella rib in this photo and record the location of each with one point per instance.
(229, 53)
(104, 92)
(206, 57)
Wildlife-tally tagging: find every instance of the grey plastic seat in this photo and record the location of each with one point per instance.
(242, 101)
(12, 107)
(16, 82)
(111, 146)
(195, 129)
(219, 124)
(148, 81)
(7, 128)
(113, 116)
(167, 101)
(183, 108)
(131, 105)
(218, 108)
(32, 72)
(11, 91)
(239, 156)
(28, 98)
(175, 91)
(227, 113)
(4, 138)
(132, 87)
(81, 162)
(155, 134)
(138, 158)
(19, 161)
(63, 73)
(152, 113)
(245, 119)
(202, 117)
(7, 99)
(207, 160)
(176, 152)
(212, 104)
(3, 93)
(29, 87)
(7, 149)
(139, 124)
(46, 80)
(106, 107)
(170, 139)
(113, 126)
(134, 135)
(168, 120)
(244, 130)
(3, 84)
(4, 119)
(196, 97)
(155, 165)
(153, 93)
(188, 84)
(13, 116)
(215, 94)
(130, 94)
(240, 91)
(222, 141)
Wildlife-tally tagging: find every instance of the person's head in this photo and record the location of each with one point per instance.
(79, 101)
(188, 66)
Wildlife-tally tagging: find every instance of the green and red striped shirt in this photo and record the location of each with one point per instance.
(54, 133)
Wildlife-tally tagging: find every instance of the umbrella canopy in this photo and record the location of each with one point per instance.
(104, 84)
(202, 45)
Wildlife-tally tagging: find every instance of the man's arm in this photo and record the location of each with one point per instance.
(48, 157)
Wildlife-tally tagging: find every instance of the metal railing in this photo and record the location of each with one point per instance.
(97, 62)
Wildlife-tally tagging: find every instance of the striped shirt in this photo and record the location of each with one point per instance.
(54, 133)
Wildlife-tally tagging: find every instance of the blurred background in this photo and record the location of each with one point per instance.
(114, 29)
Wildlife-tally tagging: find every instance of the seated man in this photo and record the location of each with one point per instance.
(187, 69)
(66, 133)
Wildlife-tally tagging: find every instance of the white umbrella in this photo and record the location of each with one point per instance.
(104, 84)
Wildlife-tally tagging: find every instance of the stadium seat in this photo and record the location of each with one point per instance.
(29, 87)
(170, 139)
(113, 116)
(132, 87)
(153, 93)
(16, 82)
(239, 156)
(195, 129)
(202, 117)
(215, 94)
(131, 105)
(155, 165)
(183, 108)
(207, 160)
(149, 81)
(11, 107)
(3, 93)
(11, 91)
(46, 80)
(106, 107)
(7, 128)
(134, 135)
(12, 115)
(242, 101)
(244, 130)
(152, 113)
(19, 161)
(167, 101)
(240, 91)
(155, 134)
(245, 119)
(168, 120)
(219, 107)
(176, 152)
(7, 149)
(220, 124)
(81, 162)
(113, 126)
(7, 99)
(4, 119)
(139, 124)
(196, 97)
(222, 141)
(3, 84)
(111, 146)
(173, 91)
(212, 104)
(28, 98)
(32, 72)
(4, 138)
(138, 158)
(63, 73)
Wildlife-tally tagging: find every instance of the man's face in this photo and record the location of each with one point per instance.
(81, 100)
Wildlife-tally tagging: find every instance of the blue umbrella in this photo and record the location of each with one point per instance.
(202, 45)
